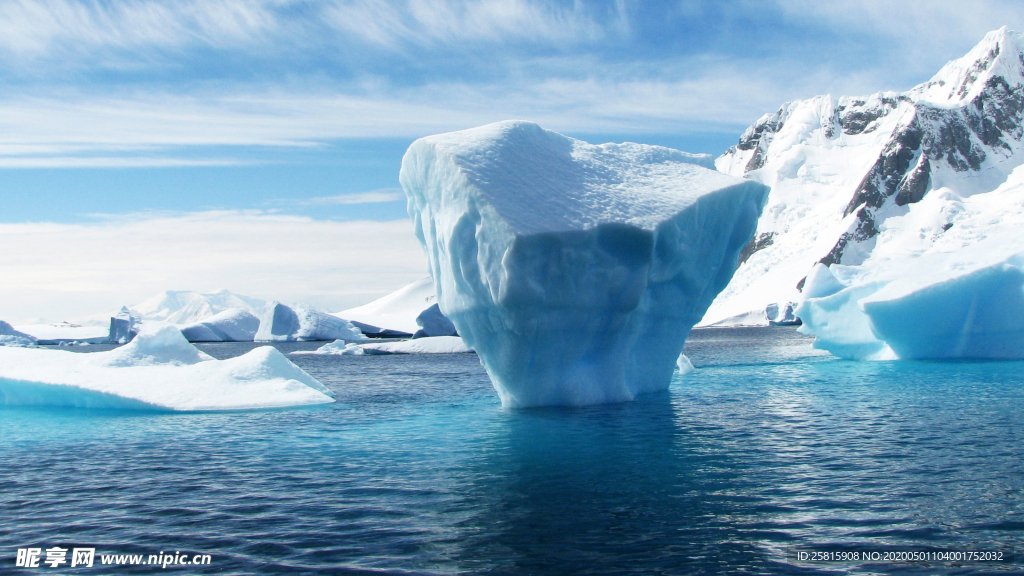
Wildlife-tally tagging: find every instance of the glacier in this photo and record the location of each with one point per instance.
(231, 325)
(157, 370)
(576, 271)
(282, 323)
(843, 170)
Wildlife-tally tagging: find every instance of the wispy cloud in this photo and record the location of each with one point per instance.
(67, 271)
(22, 161)
(371, 197)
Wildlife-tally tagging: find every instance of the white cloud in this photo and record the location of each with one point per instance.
(371, 197)
(60, 271)
(21, 161)
(32, 28)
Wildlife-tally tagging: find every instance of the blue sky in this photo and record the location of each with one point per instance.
(126, 111)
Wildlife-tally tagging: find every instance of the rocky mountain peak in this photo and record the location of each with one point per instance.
(998, 55)
(840, 167)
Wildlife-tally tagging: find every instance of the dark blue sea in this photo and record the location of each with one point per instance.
(767, 449)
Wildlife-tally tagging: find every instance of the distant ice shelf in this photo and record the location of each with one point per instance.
(158, 370)
(575, 271)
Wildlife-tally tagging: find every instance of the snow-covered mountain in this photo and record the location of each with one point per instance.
(187, 307)
(848, 175)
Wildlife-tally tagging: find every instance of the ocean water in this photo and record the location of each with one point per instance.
(767, 448)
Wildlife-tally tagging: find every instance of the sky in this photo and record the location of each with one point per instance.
(254, 145)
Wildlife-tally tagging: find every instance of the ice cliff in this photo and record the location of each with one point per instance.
(575, 271)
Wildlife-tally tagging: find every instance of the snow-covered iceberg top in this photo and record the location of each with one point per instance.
(156, 370)
(281, 323)
(231, 325)
(576, 271)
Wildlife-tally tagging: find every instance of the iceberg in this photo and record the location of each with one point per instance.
(978, 313)
(158, 370)
(336, 348)
(575, 271)
(231, 325)
(426, 345)
(123, 326)
(433, 323)
(282, 323)
(394, 315)
(11, 337)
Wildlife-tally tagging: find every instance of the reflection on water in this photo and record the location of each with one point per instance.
(417, 468)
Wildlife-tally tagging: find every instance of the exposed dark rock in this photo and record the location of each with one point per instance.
(758, 242)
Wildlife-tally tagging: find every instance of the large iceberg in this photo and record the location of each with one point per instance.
(157, 370)
(231, 325)
(575, 271)
(281, 323)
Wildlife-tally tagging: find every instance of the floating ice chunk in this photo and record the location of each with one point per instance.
(926, 308)
(124, 326)
(433, 323)
(575, 271)
(11, 337)
(231, 325)
(337, 348)
(683, 364)
(429, 345)
(839, 325)
(157, 370)
(781, 314)
(282, 323)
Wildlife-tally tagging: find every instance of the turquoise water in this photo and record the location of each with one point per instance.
(766, 448)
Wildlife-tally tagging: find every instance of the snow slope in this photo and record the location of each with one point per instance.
(841, 168)
(157, 370)
(186, 307)
(575, 271)
(396, 311)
